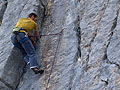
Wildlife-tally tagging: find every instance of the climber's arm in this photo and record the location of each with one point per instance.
(32, 39)
(37, 34)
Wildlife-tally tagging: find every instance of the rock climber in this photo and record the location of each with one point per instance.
(20, 39)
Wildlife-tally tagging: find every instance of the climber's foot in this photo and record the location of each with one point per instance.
(36, 70)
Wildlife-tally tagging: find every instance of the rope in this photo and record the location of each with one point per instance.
(60, 33)
(59, 39)
(48, 34)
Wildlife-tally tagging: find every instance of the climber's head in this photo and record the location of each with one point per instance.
(33, 16)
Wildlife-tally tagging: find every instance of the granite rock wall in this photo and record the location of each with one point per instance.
(81, 54)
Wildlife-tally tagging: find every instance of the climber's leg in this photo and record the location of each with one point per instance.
(28, 48)
(18, 45)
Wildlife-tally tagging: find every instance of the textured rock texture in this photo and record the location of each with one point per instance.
(3, 6)
(11, 61)
(82, 55)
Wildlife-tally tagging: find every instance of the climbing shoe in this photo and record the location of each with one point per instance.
(37, 71)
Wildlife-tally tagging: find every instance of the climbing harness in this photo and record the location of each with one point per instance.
(16, 31)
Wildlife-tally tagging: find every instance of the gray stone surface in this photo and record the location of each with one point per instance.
(4, 87)
(97, 28)
(11, 61)
(59, 18)
(88, 55)
(12, 69)
(3, 6)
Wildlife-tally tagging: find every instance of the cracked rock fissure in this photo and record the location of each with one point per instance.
(78, 55)
(3, 6)
(96, 27)
(111, 34)
(79, 36)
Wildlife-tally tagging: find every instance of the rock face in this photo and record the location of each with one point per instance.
(3, 6)
(79, 47)
(11, 61)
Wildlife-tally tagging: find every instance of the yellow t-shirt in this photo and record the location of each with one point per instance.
(27, 23)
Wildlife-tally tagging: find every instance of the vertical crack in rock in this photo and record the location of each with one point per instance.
(98, 24)
(79, 36)
(42, 4)
(3, 7)
(105, 59)
(78, 55)
(111, 34)
(44, 7)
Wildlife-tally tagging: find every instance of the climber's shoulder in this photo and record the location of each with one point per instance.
(24, 19)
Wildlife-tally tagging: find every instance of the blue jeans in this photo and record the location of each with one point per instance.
(24, 44)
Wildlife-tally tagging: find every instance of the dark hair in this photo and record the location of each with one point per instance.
(32, 14)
